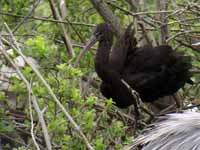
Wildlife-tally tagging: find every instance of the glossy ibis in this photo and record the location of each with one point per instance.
(152, 71)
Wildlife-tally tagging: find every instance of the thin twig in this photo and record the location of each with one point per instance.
(180, 33)
(182, 20)
(187, 45)
(47, 19)
(32, 123)
(137, 99)
(140, 13)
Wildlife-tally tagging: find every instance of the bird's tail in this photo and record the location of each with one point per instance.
(179, 66)
(180, 62)
(179, 131)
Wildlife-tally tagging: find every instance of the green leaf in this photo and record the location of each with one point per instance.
(2, 96)
(91, 100)
(99, 145)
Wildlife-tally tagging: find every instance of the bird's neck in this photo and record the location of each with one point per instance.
(103, 52)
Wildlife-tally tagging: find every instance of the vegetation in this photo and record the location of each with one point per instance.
(43, 32)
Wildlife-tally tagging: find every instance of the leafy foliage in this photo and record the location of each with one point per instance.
(42, 40)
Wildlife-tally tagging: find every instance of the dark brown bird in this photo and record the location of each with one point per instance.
(152, 71)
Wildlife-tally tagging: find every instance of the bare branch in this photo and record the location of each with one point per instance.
(65, 35)
(108, 15)
(162, 5)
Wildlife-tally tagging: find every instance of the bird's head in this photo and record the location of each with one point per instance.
(103, 32)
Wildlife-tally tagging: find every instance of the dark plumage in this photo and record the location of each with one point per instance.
(152, 71)
(156, 71)
(109, 66)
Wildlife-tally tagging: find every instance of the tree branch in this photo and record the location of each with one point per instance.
(66, 38)
(108, 15)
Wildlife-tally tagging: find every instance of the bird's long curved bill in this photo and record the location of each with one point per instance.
(89, 44)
